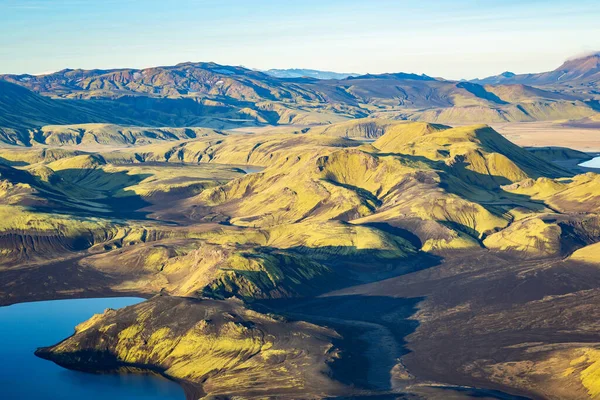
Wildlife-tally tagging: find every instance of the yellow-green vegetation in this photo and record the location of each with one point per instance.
(320, 222)
(92, 177)
(566, 370)
(220, 346)
(454, 240)
(538, 189)
(530, 236)
(578, 194)
(316, 212)
(114, 135)
(88, 183)
(400, 134)
(283, 261)
(184, 181)
(31, 236)
(80, 162)
(546, 235)
(488, 157)
(588, 254)
(97, 135)
(28, 156)
(199, 268)
(237, 149)
(321, 240)
(20, 219)
(290, 191)
(416, 171)
(347, 185)
(373, 128)
(442, 184)
(590, 375)
(33, 230)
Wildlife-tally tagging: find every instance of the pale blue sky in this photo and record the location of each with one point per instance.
(454, 39)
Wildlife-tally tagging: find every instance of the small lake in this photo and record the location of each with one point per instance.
(251, 169)
(593, 163)
(27, 326)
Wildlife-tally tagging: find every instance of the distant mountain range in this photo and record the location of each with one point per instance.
(218, 96)
(577, 71)
(307, 73)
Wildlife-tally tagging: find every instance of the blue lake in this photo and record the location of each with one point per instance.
(250, 169)
(27, 326)
(593, 163)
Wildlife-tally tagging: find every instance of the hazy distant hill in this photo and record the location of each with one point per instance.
(583, 70)
(196, 80)
(307, 73)
(189, 92)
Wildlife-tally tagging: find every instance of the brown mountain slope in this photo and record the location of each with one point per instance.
(201, 79)
(583, 70)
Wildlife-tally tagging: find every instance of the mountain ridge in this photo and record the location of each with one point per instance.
(206, 94)
(580, 70)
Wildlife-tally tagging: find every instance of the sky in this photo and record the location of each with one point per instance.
(453, 39)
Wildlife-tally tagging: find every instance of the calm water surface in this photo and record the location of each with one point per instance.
(25, 327)
(251, 169)
(593, 163)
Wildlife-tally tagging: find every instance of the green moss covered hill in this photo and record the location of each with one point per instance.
(306, 263)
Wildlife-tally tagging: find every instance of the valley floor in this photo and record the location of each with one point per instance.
(582, 137)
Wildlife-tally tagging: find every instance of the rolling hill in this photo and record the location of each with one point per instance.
(266, 255)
